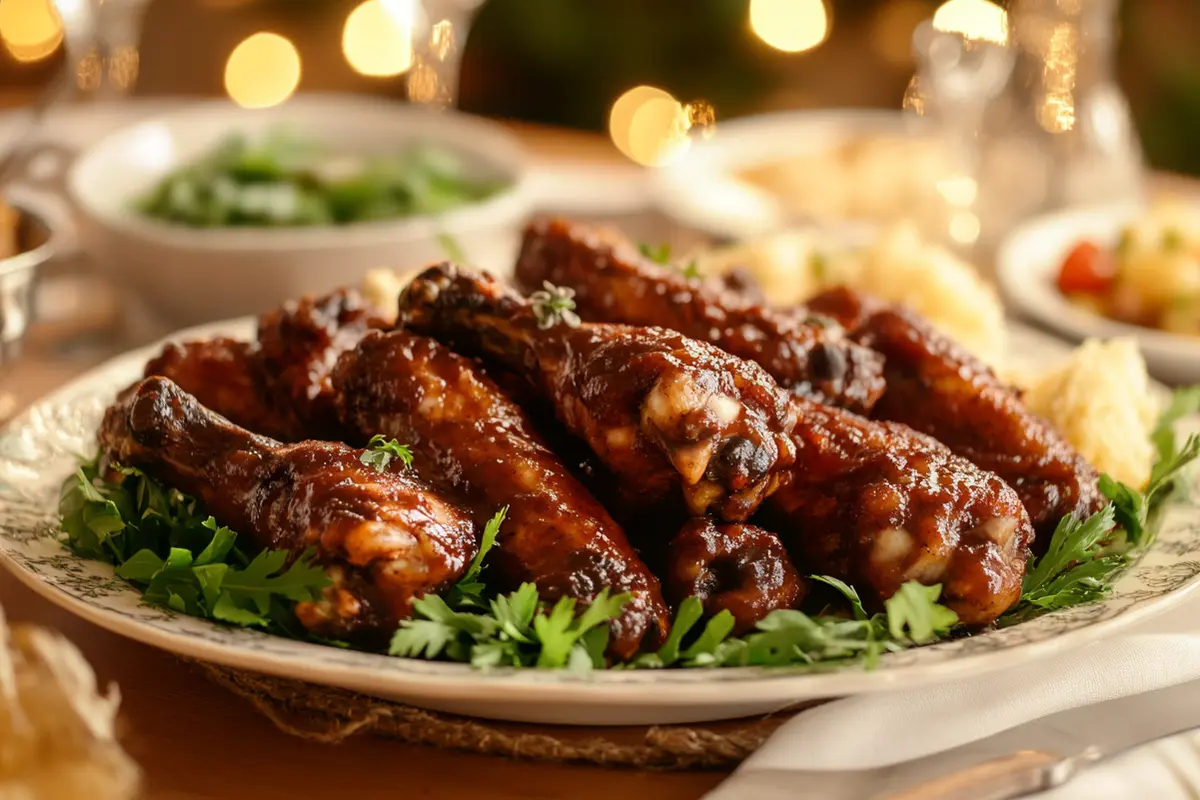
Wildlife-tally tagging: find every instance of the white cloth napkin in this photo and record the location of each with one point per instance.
(877, 730)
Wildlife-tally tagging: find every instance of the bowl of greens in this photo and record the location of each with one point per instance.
(213, 211)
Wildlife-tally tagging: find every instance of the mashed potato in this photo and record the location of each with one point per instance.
(381, 288)
(1100, 400)
(899, 267)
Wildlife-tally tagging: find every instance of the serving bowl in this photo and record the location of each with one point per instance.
(1028, 262)
(763, 173)
(188, 275)
(34, 247)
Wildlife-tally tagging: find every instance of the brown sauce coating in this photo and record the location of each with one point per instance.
(385, 537)
(668, 415)
(877, 504)
(940, 389)
(613, 282)
(736, 568)
(468, 436)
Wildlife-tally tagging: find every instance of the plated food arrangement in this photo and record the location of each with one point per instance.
(1151, 277)
(283, 179)
(630, 465)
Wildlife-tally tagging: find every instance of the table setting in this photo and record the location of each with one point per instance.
(359, 440)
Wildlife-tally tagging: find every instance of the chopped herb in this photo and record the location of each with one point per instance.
(380, 452)
(469, 589)
(660, 253)
(692, 270)
(554, 304)
(158, 540)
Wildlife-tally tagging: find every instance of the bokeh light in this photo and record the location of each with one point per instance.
(891, 29)
(792, 26)
(30, 29)
(649, 126)
(262, 71)
(377, 39)
(974, 19)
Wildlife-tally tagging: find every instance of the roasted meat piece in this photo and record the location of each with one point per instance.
(877, 504)
(468, 436)
(384, 537)
(299, 344)
(737, 568)
(666, 414)
(940, 389)
(613, 282)
(226, 376)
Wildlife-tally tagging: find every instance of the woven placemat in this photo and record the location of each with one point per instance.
(324, 714)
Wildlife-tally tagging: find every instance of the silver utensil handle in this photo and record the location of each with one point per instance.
(1015, 775)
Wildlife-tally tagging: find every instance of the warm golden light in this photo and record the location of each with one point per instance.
(891, 29)
(262, 71)
(377, 39)
(649, 126)
(974, 19)
(30, 29)
(790, 25)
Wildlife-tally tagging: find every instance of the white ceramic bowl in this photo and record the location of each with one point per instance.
(1027, 264)
(705, 191)
(187, 275)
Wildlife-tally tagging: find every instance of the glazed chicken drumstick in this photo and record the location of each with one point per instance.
(938, 388)
(279, 385)
(663, 412)
(877, 504)
(383, 537)
(226, 376)
(613, 282)
(469, 436)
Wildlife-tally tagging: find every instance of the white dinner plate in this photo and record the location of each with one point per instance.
(38, 450)
(1027, 264)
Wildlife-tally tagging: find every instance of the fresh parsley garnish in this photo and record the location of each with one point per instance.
(380, 451)
(554, 304)
(470, 588)
(658, 253)
(661, 254)
(519, 631)
(1087, 556)
(158, 540)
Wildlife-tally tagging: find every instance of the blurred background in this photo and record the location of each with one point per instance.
(566, 63)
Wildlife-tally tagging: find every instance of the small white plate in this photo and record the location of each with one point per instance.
(704, 190)
(1027, 264)
(38, 450)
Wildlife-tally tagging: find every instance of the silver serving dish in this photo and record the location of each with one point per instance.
(18, 275)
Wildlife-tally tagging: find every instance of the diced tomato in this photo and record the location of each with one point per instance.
(1088, 269)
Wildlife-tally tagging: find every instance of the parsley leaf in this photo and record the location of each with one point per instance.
(913, 614)
(470, 588)
(380, 451)
(658, 253)
(157, 539)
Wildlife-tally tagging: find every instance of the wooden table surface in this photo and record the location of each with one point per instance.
(195, 740)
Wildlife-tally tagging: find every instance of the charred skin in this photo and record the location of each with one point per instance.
(877, 505)
(615, 283)
(470, 437)
(941, 390)
(299, 345)
(384, 537)
(226, 376)
(732, 567)
(672, 418)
